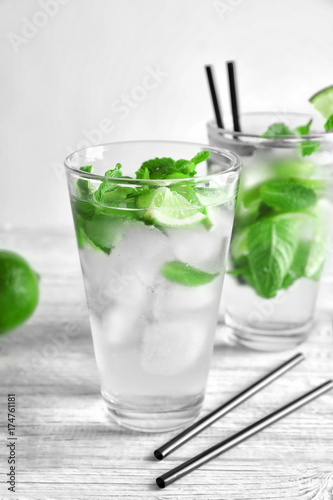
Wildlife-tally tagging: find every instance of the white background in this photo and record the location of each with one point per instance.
(64, 73)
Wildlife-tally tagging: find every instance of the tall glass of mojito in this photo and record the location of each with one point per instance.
(281, 232)
(153, 222)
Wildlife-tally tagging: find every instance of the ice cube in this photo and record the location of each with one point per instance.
(118, 326)
(186, 298)
(125, 275)
(200, 247)
(167, 299)
(94, 264)
(169, 348)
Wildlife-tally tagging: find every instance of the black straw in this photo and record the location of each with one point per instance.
(213, 93)
(196, 462)
(233, 94)
(219, 412)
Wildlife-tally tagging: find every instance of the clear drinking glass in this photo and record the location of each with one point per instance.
(153, 268)
(282, 230)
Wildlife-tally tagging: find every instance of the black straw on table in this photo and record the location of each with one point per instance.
(233, 94)
(196, 462)
(222, 410)
(213, 93)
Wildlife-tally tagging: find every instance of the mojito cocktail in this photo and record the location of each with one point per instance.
(281, 231)
(153, 230)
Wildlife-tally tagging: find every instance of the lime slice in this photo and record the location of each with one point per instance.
(323, 101)
(169, 208)
(211, 196)
(104, 232)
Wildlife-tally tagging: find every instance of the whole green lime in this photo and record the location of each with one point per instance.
(18, 290)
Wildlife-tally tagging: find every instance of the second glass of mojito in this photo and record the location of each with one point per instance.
(153, 231)
(282, 225)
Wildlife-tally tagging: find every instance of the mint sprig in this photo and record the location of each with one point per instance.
(280, 130)
(167, 168)
(266, 251)
(97, 209)
(114, 172)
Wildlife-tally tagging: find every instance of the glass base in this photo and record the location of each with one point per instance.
(268, 337)
(146, 415)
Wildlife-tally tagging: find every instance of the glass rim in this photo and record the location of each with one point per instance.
(236, 162)
(267, 140)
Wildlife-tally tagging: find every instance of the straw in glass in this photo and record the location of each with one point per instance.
(213, 93)
(231, 67)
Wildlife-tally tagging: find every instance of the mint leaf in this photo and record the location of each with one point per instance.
(304, 129)
(184, 274)
(277, 130)
(143, 173)
(118, 196)
(107, 186)
(185, 167)
(239, 246)
(87, 168)
(287, 167)
(238, 271)
(114, 172)
(103, 189)
(250, 196)
(298, 265)
(287, 196)
(138, 191)
(329, 124)
(82, 185)
(306, 148)
(84, 208)
(243, 273)
(319, 245)
(272, 244)
(200, 157)
(167, 168)
(79, 230)
(158, 168)
(264, 210)
(144, 199)
(318, 185)
(99, 193)
(177, 175)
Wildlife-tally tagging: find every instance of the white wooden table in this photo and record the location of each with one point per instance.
(67, 449)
